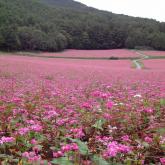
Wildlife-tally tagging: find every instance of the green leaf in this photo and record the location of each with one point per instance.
(83, 148)
(15, 160)
(99, 160)
(128, 161)
(163, 147)
(145, 144)
(161, 131)
(45, 162)
(99, 124)
(162, 102)
(62, 161)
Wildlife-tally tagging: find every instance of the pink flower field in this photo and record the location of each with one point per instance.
(154, 53)
(155, 65)
(81, 112)
(94, 53)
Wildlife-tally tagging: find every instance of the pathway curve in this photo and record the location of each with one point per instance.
(137, 63)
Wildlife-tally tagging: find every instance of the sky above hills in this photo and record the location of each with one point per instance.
(140, 8)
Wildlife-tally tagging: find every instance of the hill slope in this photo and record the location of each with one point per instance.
(64, 3)
(53, 25)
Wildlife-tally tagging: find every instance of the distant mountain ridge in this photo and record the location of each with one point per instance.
(54, 25)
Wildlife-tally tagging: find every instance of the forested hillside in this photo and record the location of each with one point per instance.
(54, 25)
(65, 3)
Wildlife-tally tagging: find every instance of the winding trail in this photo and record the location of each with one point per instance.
(142, 55)
(138, 62)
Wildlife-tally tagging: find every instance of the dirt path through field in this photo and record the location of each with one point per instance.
(138, 63)
(142, 55)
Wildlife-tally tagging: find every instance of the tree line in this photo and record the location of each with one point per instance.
(37, 25)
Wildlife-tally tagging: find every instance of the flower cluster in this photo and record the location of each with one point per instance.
(66, 148)
(114, 148)
(4, 140)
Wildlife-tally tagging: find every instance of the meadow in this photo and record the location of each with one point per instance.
(94, 53)
(154, 53)
(87, 112)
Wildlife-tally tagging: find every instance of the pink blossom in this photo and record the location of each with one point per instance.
(110, 105)
(58, 154)
(32, 122)
(36, 128)
(36, 149)
(104, 139)
(104, 95)
(148, 139)
(23, 131)
(75, 147)
(125, 138)
(162, 161)
(162, 139)
(86, 105)
(33, 141)
(31, 156)
(6, 140)
(148, 110)
(20, 111)
(69, 147)
(66, 148)
(77, 132)
(124, 148)
(107, 116)
(16, 100)
(96, 93)
(51, 114)
(71, 122)
(113, 148)
(61, 122)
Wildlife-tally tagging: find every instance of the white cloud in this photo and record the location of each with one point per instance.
(141, 8)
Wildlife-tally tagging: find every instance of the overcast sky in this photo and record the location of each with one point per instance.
(142, 8)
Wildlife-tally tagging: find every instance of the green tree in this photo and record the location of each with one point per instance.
(158, 41)
(32, 39)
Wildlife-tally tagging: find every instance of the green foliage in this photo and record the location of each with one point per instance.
(83, 148)
(32, 39)
(162, 102)
(161, 131)
(158, 40)
(99, 160)
(54, 25)
(62, 161)
(99, 124)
